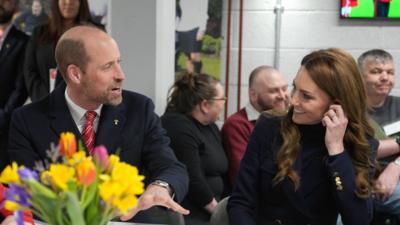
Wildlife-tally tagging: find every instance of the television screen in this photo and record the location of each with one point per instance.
(370, 9)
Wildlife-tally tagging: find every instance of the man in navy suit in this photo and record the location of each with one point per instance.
(12, 88)
(89, 61)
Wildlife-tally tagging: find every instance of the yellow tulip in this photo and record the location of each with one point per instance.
(67, 144)
(86, 172)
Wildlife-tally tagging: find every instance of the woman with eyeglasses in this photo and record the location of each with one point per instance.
(194, 104)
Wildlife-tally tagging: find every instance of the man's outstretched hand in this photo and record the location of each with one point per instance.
(155, 195)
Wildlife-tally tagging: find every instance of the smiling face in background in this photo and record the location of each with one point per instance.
(69, 9)
(269, 91)
(379, 77)
(309, 102)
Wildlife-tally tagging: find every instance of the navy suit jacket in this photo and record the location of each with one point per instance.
(256, 200)
(132, 128)
(12, 87)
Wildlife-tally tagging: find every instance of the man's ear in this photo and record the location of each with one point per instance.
(74, 74)
(252, 95)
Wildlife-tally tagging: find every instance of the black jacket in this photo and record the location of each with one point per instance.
(132, 127)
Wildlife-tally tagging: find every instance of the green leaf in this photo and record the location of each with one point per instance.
(91, 192)
(73, 209)
(92, 211)
(38, 188)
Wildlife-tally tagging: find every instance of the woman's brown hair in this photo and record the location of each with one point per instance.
(335, 72)
(189, 90)
(55, 27)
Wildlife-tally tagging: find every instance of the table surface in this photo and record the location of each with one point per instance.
(110, 223)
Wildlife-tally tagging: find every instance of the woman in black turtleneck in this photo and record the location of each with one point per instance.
(318, 160)
(194, 104)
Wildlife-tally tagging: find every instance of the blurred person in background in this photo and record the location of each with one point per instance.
(12, 87)
(268, 89)
(194, 104)
(29, 19)
(40, 71)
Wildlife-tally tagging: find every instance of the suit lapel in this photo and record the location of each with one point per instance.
(112, 121)
(59, 114)
(8, 44)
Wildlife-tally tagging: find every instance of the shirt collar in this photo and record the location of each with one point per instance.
(252, 113)
(77, 112)
(2, 39)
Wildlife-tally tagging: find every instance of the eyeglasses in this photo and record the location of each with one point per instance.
(220, 99)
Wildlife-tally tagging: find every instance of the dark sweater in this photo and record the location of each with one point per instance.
(327, 183)
(199, 147)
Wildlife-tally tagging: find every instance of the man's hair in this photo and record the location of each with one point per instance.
(256, 71)
(377, 54)
(71, 51)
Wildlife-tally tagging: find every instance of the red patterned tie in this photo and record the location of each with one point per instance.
(88, 133)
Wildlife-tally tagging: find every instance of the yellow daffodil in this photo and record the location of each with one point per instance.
(120, 189)
(12, 206)
(60, 175)
(45, 177)
(10, 174)
(125, 204)
(113, 160)
(134, 184)
(74, 186)
(109, 190)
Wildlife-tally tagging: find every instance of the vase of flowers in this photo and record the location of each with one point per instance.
(74, 188)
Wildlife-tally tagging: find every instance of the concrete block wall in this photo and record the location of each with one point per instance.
(306, 26)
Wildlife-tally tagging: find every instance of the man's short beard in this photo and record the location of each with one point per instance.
(263, 105)
(114, 102)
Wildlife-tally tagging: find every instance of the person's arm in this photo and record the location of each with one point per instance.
(388, 147)
(341, 170)
(389, 177)
(20, 147)
(235, 136)
(342, 175)
(159, 159)
(388, 180)
(32, 77)
(19, 93)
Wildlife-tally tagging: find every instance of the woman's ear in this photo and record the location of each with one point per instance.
(204, 106)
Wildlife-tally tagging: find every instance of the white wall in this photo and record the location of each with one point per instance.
(306, 26)
(144, 31)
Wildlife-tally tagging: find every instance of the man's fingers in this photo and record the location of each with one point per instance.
(171, 204)
(130, 214)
